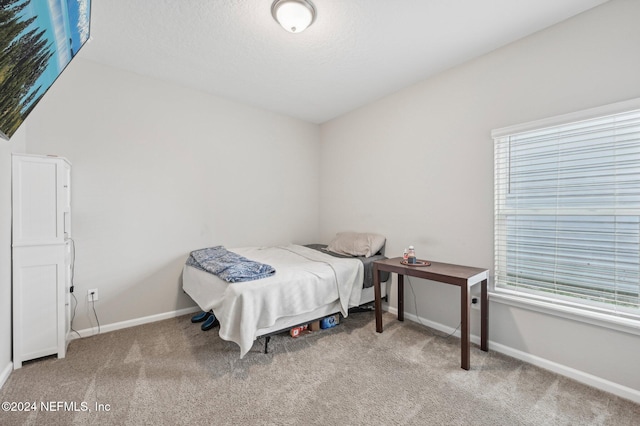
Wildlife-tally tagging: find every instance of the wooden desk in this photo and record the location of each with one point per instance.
(462, 276)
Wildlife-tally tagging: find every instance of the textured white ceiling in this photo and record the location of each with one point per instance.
(355, 52)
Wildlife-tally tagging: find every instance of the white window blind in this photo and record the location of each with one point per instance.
(567, 213)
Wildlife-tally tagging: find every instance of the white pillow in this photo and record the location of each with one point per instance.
(356, 244)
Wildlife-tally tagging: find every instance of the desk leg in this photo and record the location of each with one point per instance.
(400, 297)
(484, 317)
(465, 334)
(378, 298)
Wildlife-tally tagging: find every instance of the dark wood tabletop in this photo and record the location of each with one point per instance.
(437, 271)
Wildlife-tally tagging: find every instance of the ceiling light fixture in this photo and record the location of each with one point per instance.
(293, 15)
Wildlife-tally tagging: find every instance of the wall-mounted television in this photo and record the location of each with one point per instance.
(38, 39)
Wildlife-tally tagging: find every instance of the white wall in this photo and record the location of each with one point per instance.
(158, 171)
(417, 167)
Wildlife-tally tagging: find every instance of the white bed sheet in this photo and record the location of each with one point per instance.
(306, 283)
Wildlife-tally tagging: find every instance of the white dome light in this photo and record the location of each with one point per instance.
(293, 15)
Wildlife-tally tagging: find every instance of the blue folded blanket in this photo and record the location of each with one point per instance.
(228, 265)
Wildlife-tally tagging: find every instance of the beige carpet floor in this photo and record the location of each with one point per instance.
(172, 373)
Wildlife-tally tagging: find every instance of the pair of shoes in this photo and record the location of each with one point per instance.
(202, 316)
(211, 322)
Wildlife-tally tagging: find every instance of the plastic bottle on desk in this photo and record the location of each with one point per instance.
(412, 256)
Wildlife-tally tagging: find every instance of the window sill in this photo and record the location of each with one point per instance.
(624, 325)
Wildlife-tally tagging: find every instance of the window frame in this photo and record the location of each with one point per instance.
(549, 304)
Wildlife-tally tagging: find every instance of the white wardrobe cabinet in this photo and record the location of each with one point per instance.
(41, 251)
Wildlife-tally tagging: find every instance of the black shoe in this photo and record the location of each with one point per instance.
(202, 316)
(211, 322)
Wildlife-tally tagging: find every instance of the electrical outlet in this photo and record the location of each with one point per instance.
(92, 295)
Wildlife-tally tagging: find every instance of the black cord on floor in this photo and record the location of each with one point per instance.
(415, 305)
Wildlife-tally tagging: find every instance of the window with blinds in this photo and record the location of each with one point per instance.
(567, 213)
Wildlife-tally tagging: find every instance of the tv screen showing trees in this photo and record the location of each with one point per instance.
(38, 39)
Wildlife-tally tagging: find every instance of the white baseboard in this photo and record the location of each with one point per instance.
(572, 373)
(87, 332)
(6, 372)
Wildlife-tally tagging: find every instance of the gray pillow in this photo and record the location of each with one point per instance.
(356, 243)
